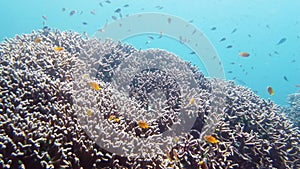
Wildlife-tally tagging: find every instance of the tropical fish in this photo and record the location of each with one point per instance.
(94, 85)
(44, 17)
(58, 48)
(244, 54)
(203, 165)
(93, 12)
(37, 40)
(223, 39)
(89, 112)
(143, 124)
(285, 78)
(169, 20)
(151, 37)
(118, 10)
(114, 118)
(114, 17)
(234, 30)
(282, 40)
(192, 101)
(211, 139)
(72, 12)
(270, 90)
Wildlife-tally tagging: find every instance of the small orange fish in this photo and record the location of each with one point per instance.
(113, 118)
(270, 90)
(94, 85)
(37, 40)
(244, 54)
(89, 112)
(211, 139)
(58, 48)
(192, 101)
(143, 124)
(203, 165)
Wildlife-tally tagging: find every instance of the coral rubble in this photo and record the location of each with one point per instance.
(150, 110)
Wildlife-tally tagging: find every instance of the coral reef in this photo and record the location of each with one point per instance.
(51, 118)
(293, 110)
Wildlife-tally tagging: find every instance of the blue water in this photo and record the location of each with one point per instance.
(259, 26)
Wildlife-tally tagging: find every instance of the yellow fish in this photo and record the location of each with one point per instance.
(211, 139)
(143, 124)
(94, 85)
(89, 112)
(192, 101)
(58, 48)
(113, 117)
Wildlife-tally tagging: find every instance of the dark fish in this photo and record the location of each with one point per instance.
(126, 5)
(229, 46)
(114, 17)
(213, 28)
(223, 39)
(267, 26)
(232, 63)
(169, 20)
(249, 35)
(44, 17)
(191, 21)
(276, 52)
(63, 9)
(120, 14)
(84, 23)
(93, 12)
(192, 53)
(252, 67)
(72, 12)
(285, 78)
(151, 37)
(234, 30)
(282, 40)
(118, 10)
(101, 4)
(194, 31)
(107, 1)
(229, 71)
(293, 61)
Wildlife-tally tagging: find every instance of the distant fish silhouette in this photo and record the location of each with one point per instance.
(285, 78)
(229, 46)
(223, 39)
(234, 30)
(213, 28)
(282, 40)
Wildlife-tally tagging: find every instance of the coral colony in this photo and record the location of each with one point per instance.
(67, 102)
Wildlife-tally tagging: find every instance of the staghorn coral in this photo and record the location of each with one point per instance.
(45, 100)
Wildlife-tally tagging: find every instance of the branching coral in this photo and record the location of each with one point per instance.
(151, 110)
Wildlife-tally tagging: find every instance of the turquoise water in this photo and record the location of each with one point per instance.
(259, 27)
